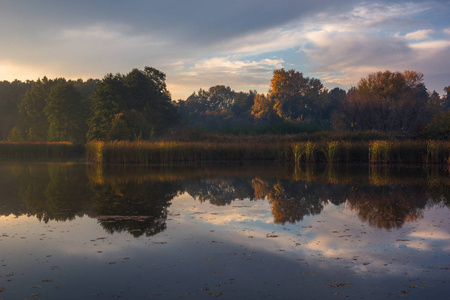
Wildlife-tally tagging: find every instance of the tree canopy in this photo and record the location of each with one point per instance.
(137, 104)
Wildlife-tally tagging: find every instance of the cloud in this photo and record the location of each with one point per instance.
(344, 48)
(419, 35)
(190, 38)
(241, 75)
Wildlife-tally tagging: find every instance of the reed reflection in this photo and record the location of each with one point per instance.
(136, 199)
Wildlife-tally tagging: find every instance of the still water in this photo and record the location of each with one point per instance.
(77, 231)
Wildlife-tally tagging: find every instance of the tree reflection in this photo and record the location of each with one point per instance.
(53, 192)
(136, 200)
(138, 208)
(388, 206)
(219, 192)
(290, 201)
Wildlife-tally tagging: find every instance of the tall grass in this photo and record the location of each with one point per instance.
(379, 152)
(40, 150)
(374, 152)
(171, 152)
(304, 152)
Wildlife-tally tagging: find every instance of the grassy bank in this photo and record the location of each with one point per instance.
(373, 152)
(40, 150)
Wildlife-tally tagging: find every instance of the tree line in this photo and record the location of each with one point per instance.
(138, 105)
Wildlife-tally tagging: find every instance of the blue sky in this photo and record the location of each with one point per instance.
(201, 43)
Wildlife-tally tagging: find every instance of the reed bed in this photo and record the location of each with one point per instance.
(142, 152)
(40, 150)
(374, 152)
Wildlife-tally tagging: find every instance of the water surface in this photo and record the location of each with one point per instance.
(75, 231)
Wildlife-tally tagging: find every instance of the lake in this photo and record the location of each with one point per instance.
(241, 231)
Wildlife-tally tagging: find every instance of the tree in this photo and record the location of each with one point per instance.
(65, 114)
(33, 120)
(439, 127)
(263, 109)
(106, 102)
(147, 92)
(242, 104)
(386, 101)
(297, 98)
(129, 125)
(218, 108)
(117, 96)
(301, 99)
(11, 93)
(446, 104)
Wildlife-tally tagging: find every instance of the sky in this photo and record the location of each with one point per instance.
(237, 43)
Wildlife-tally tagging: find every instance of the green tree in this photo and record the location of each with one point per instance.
(439, 127)
(117, 96)
(148, 93)
(446, 104)
(129, 125)
(15, 135)
(106, 102)
(65, 114)
(11, 93)
(32, 118)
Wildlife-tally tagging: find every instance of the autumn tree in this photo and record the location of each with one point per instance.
(386, 101)
(263, 109)
(295, 97)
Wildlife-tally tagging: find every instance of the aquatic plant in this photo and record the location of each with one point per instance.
(379, 152)
(39, 150)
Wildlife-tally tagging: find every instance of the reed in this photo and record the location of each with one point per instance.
(167, 152)
(304, 152)
(379, 152)
(410, 152)
(40, 150)
(433, 152)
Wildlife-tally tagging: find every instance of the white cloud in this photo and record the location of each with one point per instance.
(228, 64)
(419, 35)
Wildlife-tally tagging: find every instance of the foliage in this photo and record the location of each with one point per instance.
(385, 101)
(15, 135)
(11, 93)
(65, 113)
(120, 98)
(137, 106)
(298, 98)
(55, 110)
(439, 127)
(33, 121)
(263, 109)
(217, 108)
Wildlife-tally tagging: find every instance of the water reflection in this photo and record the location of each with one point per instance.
(136, 199)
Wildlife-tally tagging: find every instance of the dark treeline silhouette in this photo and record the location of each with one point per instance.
(138, 105)
(137, 200)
